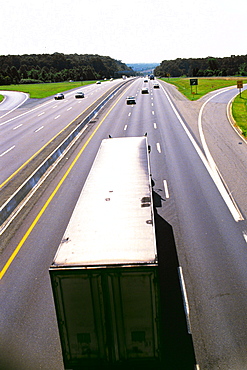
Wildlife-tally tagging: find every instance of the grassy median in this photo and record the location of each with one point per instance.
(239, 111)
(205, 85)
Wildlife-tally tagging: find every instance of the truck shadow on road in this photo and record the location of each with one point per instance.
(177, 346)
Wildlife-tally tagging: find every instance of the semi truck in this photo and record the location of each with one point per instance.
(104, 276)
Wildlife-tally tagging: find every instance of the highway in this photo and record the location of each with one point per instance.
(198, 165)
(35, 123)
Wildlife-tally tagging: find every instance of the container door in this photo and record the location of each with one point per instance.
(80, 314)
(134, 307)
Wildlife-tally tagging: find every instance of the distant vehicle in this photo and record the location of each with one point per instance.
(130, 100)
(156, 86)
(151, 77)
(79, 95)
(146, 80)
(59, 96)
(145, 90)
(98, 82)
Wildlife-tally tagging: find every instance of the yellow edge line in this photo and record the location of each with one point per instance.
(17, 249)
(54, 137)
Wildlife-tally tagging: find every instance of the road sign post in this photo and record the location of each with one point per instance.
(240, 86)
(193, 82)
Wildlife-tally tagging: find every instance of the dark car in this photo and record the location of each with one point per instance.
(156, 86)
(130, 100)
(59, 96)
(145, 90)
(79, 95)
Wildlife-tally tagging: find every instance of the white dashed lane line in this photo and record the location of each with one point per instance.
(158, 147)
(57, 116)
(7, 151)
(16, 127)
(166, 189)
(38, 129)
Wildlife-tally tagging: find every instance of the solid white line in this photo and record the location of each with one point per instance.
(214, 174)
(158, 147)
(38, 129)
(57, 116)
(18, 126)
(185, 298)
(166, 189)
(125, 127)
(12, 110)
(8, 150)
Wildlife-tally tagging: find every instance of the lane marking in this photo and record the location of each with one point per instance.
(37, 218)
(6, 151)
(152, 112)
(38, 129)
(245, 235)
(12, 110)
(232, 206)
(155, 125)
(69, 108)
(57, 116)
(16, 127)
(41, 114)
(185, 298)
(54, 137)
(125, 127)
(129, 114)
(158, 147)
(166, 189)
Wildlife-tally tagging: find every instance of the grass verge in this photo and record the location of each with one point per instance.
(39, 91)
(239, 112)
(205, 85)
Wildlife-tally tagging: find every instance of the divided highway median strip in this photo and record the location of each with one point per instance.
(37, 218)
(13, 202)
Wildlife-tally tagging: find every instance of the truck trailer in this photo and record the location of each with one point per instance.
(104, 275)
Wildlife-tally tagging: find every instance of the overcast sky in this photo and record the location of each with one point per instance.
(133, 31)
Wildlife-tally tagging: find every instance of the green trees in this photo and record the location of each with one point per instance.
(203, 67)
(57, 67)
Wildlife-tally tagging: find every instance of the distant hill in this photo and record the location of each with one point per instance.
(235, 65)
(143, 68)
(58, 67)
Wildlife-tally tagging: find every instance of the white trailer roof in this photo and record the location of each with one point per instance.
(113, 219)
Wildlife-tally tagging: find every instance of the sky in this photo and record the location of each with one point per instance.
(133, 31)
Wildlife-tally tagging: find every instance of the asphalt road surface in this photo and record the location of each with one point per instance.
(201, 233)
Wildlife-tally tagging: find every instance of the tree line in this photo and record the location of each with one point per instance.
(203, 67)
(58, 67)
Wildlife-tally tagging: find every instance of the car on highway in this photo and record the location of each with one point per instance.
(59, 96)
(145, 90)
(79, 95)
(130, 100)
(98, 82)
(156, 86)
(145, 80)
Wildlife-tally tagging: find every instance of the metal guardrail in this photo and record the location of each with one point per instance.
(9, 206)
